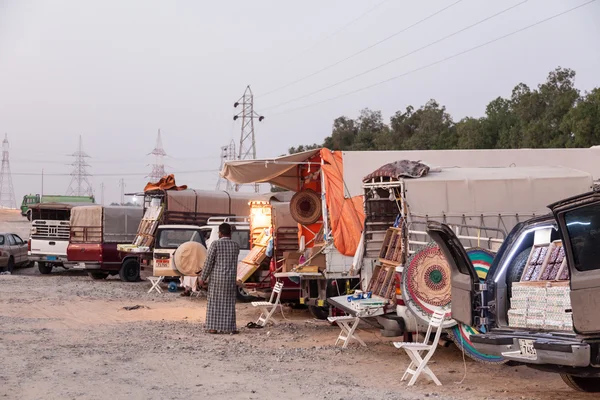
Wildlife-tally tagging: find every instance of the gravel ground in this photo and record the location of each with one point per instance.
(66, 336)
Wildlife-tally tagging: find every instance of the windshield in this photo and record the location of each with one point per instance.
(173, 238)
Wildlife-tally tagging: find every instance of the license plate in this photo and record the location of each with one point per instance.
(51, 258)
(527, 349)
(163, 262)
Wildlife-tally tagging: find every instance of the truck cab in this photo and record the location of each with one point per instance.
(168, 239)
(539, 302)
(49, 235)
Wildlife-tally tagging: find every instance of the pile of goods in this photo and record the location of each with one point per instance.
(541, 306)
(541, 299)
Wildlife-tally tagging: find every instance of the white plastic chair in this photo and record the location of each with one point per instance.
(269, 307)
(415, 350)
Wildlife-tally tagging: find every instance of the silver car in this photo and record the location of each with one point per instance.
(13, 251)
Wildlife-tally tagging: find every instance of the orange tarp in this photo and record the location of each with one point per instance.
(166, 183)
(346, 215)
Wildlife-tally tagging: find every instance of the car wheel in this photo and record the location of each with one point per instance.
(582, 384)
(130, 270)
(44, 268)
(98, 275)
(11, 265)
(243, 296)
(319, 312)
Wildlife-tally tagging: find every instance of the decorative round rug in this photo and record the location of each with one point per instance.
(461, 333)
(426, 286)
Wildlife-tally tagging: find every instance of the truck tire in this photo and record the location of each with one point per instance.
(44, 268)
(130, 270)
(28, 215)
(582, 384)
(319, 312)
(98, 275)
(11, 265)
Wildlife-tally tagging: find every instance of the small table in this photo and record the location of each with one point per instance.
(349, 323)
(156, 280)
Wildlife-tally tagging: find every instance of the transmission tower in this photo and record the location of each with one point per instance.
(158, 168)
(7, 191)
(80, 184)
(227, 154)
(247, 146)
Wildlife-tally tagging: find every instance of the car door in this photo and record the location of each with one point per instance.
(464, 278)
(14, 249)
(579, 224)
(22, 248)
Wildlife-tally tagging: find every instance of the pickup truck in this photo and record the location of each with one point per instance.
(94, 235)
(544, 329)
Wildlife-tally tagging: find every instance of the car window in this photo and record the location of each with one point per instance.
(206, 233)
(242, 238)
(2, 241)
(11, 240)
(18, 239)
(172, 239)
(583, 229)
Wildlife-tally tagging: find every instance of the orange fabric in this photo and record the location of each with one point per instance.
(347, 216)
(165, 183)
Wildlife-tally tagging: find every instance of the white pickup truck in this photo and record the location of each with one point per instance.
(50, 231)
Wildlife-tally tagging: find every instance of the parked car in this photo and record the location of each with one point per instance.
(570, 347)
(13, 251)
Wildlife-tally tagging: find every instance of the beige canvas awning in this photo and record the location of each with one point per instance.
(279, 171)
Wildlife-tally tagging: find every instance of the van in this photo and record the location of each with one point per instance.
(538, 308)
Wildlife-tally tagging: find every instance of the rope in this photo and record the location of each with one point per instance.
(462, 346)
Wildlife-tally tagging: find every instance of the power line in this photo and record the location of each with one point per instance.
(398, 58)
(327, 37)
(438, 61)
(361, 51)
(115, 174)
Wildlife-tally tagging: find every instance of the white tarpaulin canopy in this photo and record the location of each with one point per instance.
(358, 164)
(279, 171)
(493, 191)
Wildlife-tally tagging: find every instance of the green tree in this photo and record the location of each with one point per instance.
(582, 123)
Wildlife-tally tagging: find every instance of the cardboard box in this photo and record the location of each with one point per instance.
(290, 260)
(320, 260)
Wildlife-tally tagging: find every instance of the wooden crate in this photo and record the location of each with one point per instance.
(391, 249)
(534, 266)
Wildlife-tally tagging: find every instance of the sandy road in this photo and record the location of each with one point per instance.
(65, 336)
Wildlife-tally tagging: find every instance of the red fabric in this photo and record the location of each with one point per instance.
(346, 215)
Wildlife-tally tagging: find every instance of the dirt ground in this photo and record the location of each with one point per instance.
(65, 336)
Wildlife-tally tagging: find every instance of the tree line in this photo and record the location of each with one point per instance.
(553, 115)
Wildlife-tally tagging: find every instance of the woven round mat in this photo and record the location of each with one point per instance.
(426, 285)
(189, 258)
(305, 207)
(461, 334)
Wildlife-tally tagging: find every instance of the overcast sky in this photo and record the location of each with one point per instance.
(116, 71)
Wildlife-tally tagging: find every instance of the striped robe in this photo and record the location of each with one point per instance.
(220, 270)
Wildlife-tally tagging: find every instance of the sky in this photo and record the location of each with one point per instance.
(114, 72)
